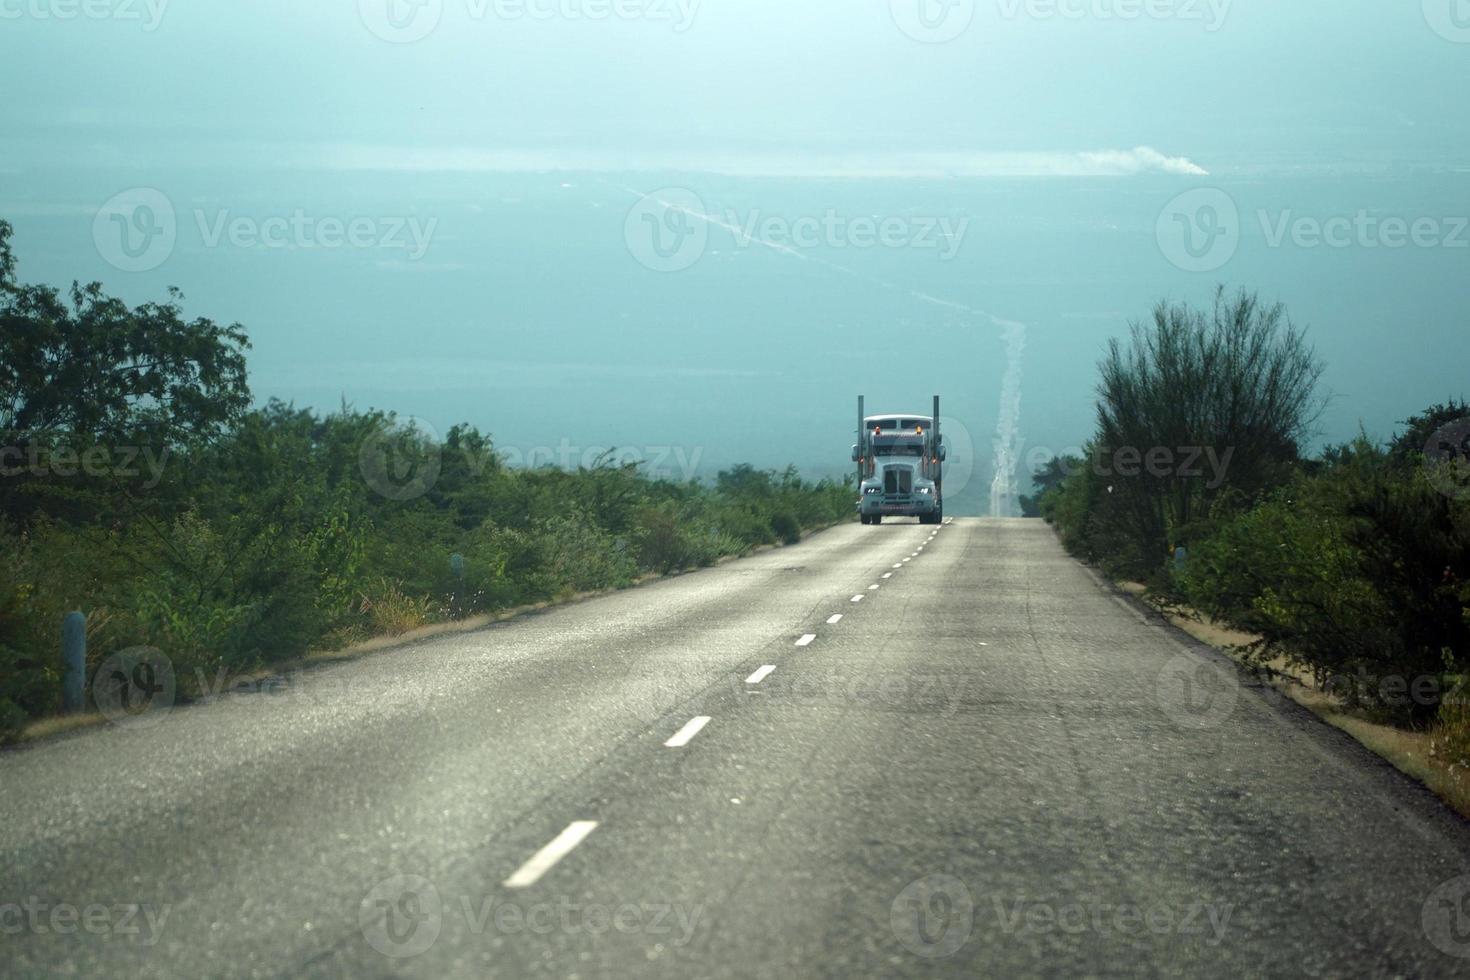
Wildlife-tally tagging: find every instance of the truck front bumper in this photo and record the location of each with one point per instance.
(905, 505)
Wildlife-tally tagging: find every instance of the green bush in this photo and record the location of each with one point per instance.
(785, 526)
(1357, 573)
(274, 531)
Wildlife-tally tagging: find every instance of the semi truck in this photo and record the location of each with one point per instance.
(900, 466)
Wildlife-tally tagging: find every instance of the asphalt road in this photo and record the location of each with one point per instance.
(990, 766)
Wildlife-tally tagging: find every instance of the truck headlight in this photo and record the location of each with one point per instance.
(872, 490)
(926, 490)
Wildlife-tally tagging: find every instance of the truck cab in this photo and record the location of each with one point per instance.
(900, 468)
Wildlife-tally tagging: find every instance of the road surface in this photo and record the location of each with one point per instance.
(989, 766)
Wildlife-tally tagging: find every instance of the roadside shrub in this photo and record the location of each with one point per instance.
(1358, 574)
(661, 542)
(273, 531)
(785, 526)
(1451, 737)
(392, 612)
(580, 556)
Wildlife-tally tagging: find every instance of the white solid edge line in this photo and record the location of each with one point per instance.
(543, 860)
(761, 674)
(832, 620)
(857, 598)
(691, 728)
(806, 639)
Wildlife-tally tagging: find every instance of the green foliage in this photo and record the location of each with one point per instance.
(1200, 405)
(1359, 573)
(785, 526)
(89, 373)
(1355, 566)
(267, 533)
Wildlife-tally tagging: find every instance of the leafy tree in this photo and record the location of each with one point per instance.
(1410, 444)
(89, 369)
(1235, 383)
(1048, 479)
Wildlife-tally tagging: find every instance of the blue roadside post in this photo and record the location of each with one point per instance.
(73, 662)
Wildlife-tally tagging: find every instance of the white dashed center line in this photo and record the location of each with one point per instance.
(832, 620)
(872, 587)
(857, 598)
(806, 639)
(760, 674)
(897, 566)
(543, 860)
(888, 575)
(691, 728)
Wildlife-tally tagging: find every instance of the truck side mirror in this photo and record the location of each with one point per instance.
(855, 454)
(943, 452)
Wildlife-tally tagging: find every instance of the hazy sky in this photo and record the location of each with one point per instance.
(1030, 152)
(1243, 84)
